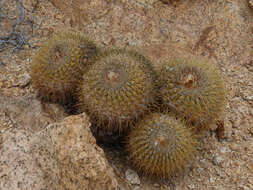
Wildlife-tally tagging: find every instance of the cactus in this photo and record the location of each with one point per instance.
(118, 88)
(193, 89)
(58, 64)
(161, 145)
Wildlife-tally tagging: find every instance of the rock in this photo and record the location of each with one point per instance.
(217, 160)
(156, 185)
(28, 112)
(250, 98)
(250, 4)
(61, 156)
(251, 131)
(132, 177)
(228, 129)
(224, 150)
(191, 186)
(212, 180)
(250, 166)
(82, 11)
(55, 112)
(24, 166)
(81, 162)
(165, 1)
(24, 80)
(29, 3)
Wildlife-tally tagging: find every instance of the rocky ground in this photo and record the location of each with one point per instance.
(220, 30)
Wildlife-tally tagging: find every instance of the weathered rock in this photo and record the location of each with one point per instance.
(61, 156)
(250, 4)
(81, 162)
(28, 113)
(132, 177)
(26, 162)
(82, 11)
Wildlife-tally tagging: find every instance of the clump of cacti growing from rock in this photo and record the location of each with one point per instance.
(120, 91)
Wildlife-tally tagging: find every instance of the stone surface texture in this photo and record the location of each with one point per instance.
(63, 155)
(81, 162)
(26, 162)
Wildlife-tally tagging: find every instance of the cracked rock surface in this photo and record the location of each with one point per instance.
(63, 155)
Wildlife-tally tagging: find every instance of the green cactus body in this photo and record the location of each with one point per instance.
(118, 88)
(161, 146)
(193, 89)
(58, 64)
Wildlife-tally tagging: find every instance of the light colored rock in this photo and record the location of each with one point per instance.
(24, 80)
(250, 4)
(81, 162)
(136, 188)
(61, 156)
(132, 177)
(191, 186)
(217, 159)
(82, 11)
(24, 165)
(212, 180)
(28, 113)
(250, 98)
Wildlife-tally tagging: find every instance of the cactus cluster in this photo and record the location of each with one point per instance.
(120, 91)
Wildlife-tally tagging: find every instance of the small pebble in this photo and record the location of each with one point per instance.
(217, 159)
(251, 131)
(191, 186)
(251, 3)
(249, 98)
(23, 81)
(212, 180)
(224, 150)
(132, 177)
